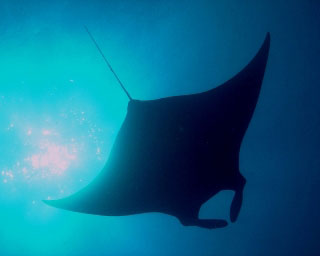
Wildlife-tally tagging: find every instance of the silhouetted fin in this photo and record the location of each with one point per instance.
(237, 199)
(171, 155)
(236, 206)
(205, 223)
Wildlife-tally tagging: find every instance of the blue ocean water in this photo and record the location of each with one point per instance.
(61, 108)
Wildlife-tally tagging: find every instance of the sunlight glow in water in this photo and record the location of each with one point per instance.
(55, 158)
(48, 157)
(47, 152)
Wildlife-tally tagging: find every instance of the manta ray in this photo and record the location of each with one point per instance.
(171, 155)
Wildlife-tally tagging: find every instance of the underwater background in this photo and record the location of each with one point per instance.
(61, 108)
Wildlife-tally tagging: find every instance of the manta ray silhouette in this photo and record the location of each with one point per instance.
(173, 154)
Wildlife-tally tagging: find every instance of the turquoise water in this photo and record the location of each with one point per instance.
(61, 108)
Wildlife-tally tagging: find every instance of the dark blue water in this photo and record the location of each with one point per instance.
(61, 108)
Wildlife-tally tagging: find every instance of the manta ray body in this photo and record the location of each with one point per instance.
(173, 154)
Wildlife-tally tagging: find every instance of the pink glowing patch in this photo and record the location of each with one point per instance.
(56, 158)
(46, 132)
(29, 132)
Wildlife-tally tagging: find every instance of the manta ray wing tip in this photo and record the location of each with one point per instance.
(268, 37)
(49, 202)
(53, 203)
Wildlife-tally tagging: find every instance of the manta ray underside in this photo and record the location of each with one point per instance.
(172, 155)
